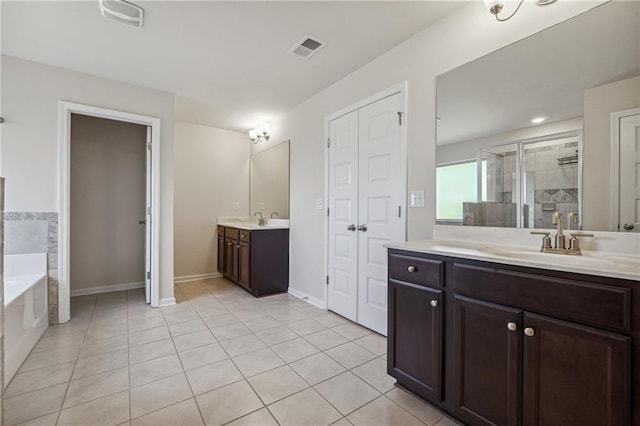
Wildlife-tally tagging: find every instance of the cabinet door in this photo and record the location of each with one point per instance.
(415, 338)
(221, 248)
(487, 341)
(244, 265)
(231, 259)
(574, 375)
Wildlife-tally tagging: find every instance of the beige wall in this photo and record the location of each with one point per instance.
(599, 103)
(459, 38)
(29, 157)
(108, 191)
(211, 173)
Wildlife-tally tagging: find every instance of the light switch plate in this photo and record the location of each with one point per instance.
(236, 205)
(319, 203)
(417, 198)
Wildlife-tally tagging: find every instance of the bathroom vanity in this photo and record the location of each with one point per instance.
(255, 257)
(494, 338)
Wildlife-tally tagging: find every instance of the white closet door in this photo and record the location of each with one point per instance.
(343, 213)
(630, 174)
(379, 202)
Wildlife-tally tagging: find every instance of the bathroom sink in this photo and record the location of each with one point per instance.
(480, 251)
(586, 260)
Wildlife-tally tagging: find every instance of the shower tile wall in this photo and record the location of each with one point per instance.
(36, 232)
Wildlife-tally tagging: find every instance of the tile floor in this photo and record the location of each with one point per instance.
(220, 356)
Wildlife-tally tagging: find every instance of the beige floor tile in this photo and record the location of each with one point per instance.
(242, 345)
(276, 384)
(151, 350)
(312, 311)
(33, 404)
(185, 315)
(37, 379)
(145, 323)
(262, 417)
(49, 358)
(213, 376)
(295, 349)
(261, 323)
(248, 313)
(186, 327)
(155, 369)
(305, 327)
(374, 372)
(382, 412)
(203, 355)
(100, 363)
(220, 320)
(415, 406)
(48, 420)
(184, 413)
(207, 311)
(106, 411)
(446, 421)
(346, 392)
(92, 347)
(350, 355)
(230, 331)
(149, 335)
(159, 394)
(289, 316)
(342, 422)
(93, 387)
(317, 368)
(257, 362)
(374, 343)
(330, 319)
(100, 331)
(326, 339)
(228, 403)
(55, 342)
(276, 335)
(193, 340)
(306, 408)
(351, 331)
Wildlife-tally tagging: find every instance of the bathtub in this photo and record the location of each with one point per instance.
(25, 307)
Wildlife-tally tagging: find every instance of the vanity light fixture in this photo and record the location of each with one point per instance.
(496, 6)
(259, 134)
(538, 120)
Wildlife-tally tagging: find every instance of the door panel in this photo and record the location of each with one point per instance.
(343, 193)
(487, 359)
(147, 223)
(380, 196)
(585, 374)
(630, 174)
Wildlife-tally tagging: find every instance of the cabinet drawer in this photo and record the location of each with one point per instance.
(231, 233)
(576, 300)
(245, 236)
(415, 270)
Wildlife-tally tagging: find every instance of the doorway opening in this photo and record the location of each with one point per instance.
(98, 182)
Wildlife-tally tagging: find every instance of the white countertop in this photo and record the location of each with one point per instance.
(615, 265)
(251, 224)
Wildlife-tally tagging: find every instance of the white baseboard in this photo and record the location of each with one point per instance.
(167, 301)
(187, 278)
(106, 288)
(309, 299)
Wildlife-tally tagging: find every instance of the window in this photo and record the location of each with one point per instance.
(455, 183)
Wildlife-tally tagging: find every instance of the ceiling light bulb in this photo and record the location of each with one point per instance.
(494, 6)
(252, 134)
(538, 120)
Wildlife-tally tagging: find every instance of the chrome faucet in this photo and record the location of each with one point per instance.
(274, 213)
(560, 246)
(260, 218)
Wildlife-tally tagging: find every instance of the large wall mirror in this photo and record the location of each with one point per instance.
(269, 181)
(527, 130)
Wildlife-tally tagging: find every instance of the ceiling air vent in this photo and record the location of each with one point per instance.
(123, 12)
(306, 47)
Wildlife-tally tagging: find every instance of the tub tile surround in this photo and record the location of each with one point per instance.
(36, 232)
(219, 356)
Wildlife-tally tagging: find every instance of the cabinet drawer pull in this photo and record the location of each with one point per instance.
(512, 326)
(434, 303)
(529, 331)
(411, 269)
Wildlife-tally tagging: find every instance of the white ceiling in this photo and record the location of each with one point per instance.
(231, 56)
(543, 75)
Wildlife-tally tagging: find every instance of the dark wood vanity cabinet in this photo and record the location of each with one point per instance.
(519, 346)
(257, 260)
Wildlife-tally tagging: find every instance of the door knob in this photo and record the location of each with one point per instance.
(512, 326)
(628, 226)
(529, 331)
(351, 227)
(362, 228)
(141, 222)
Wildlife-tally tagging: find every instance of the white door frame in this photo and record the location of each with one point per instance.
(614, 166)
(400, 88)
(65, 109)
